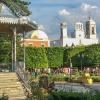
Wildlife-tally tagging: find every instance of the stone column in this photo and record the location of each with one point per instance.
(12, 52)
(14, 57)
(24, 50)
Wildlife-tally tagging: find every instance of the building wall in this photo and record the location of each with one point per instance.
(79, 34)
(55, 43)
(35, 43)
(75, 41)
(70, 41)
(79, 31)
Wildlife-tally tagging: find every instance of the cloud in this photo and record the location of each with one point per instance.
(64, 12)
(78, 10)
(87, 7)
(41, 27)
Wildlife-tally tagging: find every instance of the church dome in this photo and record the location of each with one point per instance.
(38, 34)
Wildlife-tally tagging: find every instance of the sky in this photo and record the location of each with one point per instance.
(50, 13)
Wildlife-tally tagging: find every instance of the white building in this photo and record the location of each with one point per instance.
(80, 36)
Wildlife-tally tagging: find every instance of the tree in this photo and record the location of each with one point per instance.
(55, 56)
(18, 7)
(92, 55)
(36, 57)
(5, 49)
(19, 48)
(72, 53)
(42, 58)
(66, 56)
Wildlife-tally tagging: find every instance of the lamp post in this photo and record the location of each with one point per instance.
(72, 47)
(36, 61)
(70, 69)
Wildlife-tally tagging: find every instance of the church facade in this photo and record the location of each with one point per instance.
(80, 37)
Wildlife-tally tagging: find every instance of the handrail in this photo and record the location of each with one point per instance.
(24, 76)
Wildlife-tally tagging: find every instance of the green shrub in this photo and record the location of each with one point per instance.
(4, 97)
(74, 78)
(96, 78)
(74, 96)
(58, 77)
(62, 77)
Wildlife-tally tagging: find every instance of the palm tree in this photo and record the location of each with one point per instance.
(18, 7)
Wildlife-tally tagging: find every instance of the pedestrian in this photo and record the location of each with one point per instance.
(36, 73)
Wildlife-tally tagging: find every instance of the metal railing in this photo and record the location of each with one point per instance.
(24, 76)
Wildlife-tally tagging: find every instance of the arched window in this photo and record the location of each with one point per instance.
(93, 30)
(80, 27)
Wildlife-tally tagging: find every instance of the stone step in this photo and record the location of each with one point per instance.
(13, 73)
(17, 98)
(11, 91)
(14, 88)
(8, 74)
(11, 86)
(8, 80)
(8, 77)
(10, 83)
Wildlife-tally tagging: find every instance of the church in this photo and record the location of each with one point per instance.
(80, 36)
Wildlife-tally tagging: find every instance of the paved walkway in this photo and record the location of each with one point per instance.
(76, 87)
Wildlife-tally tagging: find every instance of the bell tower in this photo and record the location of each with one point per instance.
(79, 31)
(63, 30)
(91, 28)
